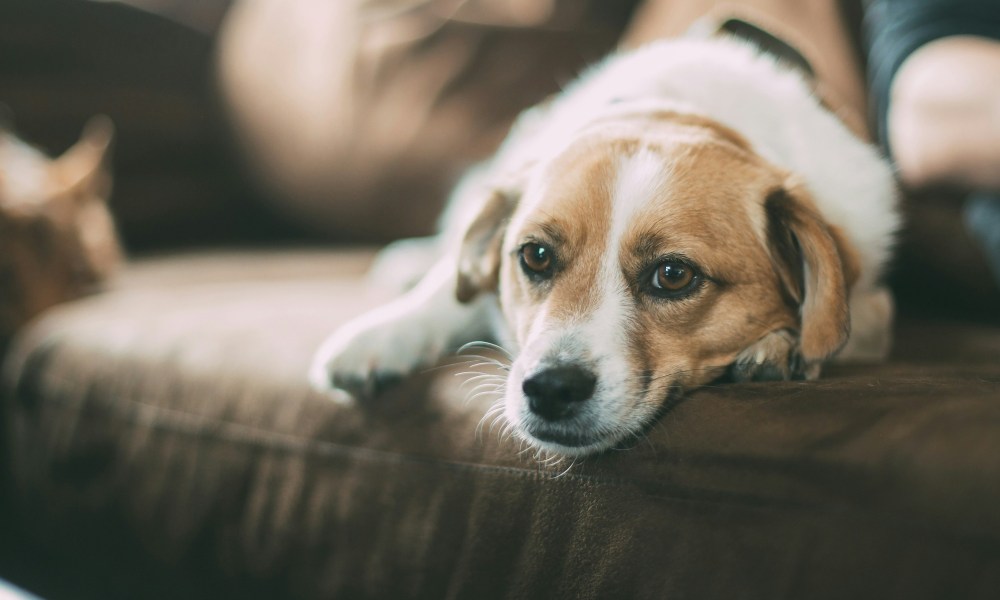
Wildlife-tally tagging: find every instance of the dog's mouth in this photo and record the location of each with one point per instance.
(586, 434)
(561, 437)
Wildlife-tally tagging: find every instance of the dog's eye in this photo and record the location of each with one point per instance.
(536, 259)
(673, 277)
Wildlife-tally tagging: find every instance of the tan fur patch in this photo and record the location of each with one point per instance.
(707, 219)
(574, 219)
(709, 214)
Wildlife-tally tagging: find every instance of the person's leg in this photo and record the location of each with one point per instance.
(360, 114)
(812, 35)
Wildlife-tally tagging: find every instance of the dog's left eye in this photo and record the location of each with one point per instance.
(536, 259)
(673, 278)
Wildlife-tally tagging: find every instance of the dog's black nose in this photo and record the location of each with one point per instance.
(554, 393)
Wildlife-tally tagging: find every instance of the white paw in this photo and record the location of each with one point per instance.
(371, 353)
(774, 357)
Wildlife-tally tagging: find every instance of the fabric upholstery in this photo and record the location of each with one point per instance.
(164, 438)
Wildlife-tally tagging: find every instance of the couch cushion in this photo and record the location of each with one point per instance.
(164, 437)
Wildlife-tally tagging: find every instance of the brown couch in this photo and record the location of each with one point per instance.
(160, 441)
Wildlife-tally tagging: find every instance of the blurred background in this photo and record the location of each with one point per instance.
(232, 120)
(149, 67)
(276, 122)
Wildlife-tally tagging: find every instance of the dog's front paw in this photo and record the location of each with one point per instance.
(365, 357)
(774, 357)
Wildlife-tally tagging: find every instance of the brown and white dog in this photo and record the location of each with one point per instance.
(682, 212)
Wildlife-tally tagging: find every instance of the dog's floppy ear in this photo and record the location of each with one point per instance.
(479, 254)
(817, 269)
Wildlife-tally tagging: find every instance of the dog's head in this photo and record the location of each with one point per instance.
(649, 256)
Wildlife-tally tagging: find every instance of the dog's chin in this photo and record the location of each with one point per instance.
(564, 443)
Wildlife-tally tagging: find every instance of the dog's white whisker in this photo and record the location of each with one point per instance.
(475, 372)
(493, 392)
(475, 376)
(483, 389)
(481, 380)
(503, 424)
(484, 386)
(508, 431)
(471, 387)
(471, 377)
(491, 387)
(496, 397)
(495, 410)
(487, 345)
(488, 355)
(567, 469)
(488, 385)
(489, 415)
(504, 433)
(467, 363)
(482, 363)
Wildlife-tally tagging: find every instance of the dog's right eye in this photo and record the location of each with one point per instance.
(673, 279)
(536, 259)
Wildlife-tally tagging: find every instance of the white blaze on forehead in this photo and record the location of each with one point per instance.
(640, 179)
(600, 336)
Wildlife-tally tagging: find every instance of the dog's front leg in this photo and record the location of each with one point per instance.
(414, 331)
